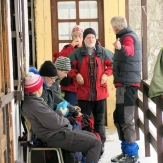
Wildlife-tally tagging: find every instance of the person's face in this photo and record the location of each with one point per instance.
(40, 91)
(50, 80)
(77, 37)
(115, 29)
(90, 41)
(62, 74)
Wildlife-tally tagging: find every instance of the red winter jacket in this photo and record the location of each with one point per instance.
(67, 49)
(80, 64)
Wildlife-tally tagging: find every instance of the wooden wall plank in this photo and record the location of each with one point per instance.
(111, 8)
(6, 135)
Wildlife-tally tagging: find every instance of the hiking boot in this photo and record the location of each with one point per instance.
(118, 157)
(129, 159)
(102, 150)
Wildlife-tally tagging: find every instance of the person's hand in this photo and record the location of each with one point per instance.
(76, 42)
(63, 110)
(80, 79)
(104, 78)
(77, 108)
(117, 45)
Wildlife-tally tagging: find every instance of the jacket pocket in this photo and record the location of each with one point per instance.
(120, 91)
(102, 86)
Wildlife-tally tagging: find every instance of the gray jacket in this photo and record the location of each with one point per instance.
(48, 96)
(58, 96)
(53, 96)
(45, 122)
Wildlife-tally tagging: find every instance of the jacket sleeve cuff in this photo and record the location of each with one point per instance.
(59, 112)
(71, 108)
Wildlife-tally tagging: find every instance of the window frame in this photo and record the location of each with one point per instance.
(55, 21)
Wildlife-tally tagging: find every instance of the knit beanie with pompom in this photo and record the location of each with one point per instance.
(33, 82)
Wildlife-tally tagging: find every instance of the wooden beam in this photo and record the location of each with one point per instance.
(159, 128)
(146, 120)
(144, 38)
(5, 147)
(127, 10)
(54, 28)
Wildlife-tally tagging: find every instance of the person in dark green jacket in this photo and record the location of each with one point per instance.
(156, 86)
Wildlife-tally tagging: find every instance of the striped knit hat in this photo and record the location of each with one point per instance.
(33, 82)
(63, 63)
(77, 29)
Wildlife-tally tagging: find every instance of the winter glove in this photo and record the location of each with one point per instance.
(72, 121)
(64, 111)
(63, 105)
(75, 113)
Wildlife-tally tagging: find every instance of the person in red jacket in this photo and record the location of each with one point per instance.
(91, 65)
(67, 84)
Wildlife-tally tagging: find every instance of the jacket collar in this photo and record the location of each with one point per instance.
(98, 49)
(124, 31)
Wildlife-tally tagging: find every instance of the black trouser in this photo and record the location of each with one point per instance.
(78, 140)
(124, 113)
(98, 110)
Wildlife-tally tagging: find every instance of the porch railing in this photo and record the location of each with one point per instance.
(155, 139)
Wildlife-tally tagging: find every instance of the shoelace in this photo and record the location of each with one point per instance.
(123, 158)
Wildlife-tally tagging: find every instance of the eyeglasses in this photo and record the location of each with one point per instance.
(53, 78)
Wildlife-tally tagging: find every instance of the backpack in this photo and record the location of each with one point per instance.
(87, 124)
(77, 155)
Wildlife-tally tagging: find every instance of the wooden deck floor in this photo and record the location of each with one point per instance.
(112, 148)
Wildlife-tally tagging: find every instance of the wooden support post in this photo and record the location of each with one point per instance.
(159, 128)
(145, 74)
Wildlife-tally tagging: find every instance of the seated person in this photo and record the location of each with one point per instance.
(63, 67)
(51, 91)
(52, 128)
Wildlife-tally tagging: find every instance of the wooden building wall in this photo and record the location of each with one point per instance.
(111, 8)
(6, 130)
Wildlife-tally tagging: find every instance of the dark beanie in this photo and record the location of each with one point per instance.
(88, 31)
(48, 69)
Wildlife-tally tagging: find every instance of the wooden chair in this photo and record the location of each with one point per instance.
(28, 160)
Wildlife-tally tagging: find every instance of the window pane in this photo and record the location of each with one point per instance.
(87, 9)
(93, 25)
(65, 30)
(67, 10)
(61, 45)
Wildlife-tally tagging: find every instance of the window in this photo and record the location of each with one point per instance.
(67, 14)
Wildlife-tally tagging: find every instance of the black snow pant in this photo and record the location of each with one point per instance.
(98, 110)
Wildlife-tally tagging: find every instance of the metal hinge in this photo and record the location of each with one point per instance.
(17, 95)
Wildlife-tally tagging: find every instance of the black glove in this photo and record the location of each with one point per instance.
(72, 121)
(75, 113)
